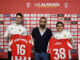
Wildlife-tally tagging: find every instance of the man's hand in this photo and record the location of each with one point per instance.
(53, 36)
(71, 40)
(9, 36)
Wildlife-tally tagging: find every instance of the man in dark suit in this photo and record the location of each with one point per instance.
(41, 35)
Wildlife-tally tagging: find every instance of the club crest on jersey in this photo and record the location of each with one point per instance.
(19, 30)
(65, 35)
(11, 28)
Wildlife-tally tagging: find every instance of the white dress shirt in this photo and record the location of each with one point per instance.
(42, 31)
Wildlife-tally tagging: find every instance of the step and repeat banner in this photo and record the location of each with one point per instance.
(67, 11)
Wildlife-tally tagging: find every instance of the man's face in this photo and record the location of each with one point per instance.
(18, 19)
(60, 27)
(42, 23)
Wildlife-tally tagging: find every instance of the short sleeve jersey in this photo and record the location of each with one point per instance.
(58, 49)
(20, 47)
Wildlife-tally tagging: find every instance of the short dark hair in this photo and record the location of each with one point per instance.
(59, 22)
(20, 14)
(43, 18)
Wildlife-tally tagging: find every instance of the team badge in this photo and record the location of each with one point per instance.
(19, 30)
(11, 28)
(65, 35)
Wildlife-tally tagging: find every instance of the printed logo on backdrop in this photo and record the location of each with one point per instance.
(6, 15)
(78, 15)
(1, 15)
(1, 22)
(1, 50)
(27, 4)
(66, 5)
(67, 22)
(56, 4)
(74, 22)
(60, 15)
(67, 15)
(53, 15)
(67, 19)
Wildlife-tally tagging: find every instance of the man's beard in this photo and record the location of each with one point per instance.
(42, 26)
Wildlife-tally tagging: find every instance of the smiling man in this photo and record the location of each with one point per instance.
(62, 34)
(41, 36)
(16, 28)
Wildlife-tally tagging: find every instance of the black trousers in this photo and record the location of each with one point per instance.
(9, 55)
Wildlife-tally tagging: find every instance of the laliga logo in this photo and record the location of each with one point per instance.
(66, 5)
(27, 4)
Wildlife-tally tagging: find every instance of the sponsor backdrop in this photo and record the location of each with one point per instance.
(67, 11)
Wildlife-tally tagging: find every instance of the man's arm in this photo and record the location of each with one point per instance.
(25, 32)
(33, 34)
(71, 38)
(7, 34)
